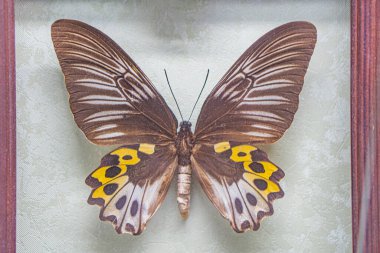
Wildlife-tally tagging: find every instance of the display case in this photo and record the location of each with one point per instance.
(329, 154)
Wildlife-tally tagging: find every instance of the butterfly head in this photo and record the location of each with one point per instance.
(185, 126)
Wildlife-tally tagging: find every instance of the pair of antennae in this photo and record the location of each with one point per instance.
(204, 84)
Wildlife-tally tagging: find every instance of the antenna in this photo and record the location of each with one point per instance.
(208, 71)
(167, 79)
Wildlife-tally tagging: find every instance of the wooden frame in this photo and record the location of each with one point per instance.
(365, 126)
(7, 128)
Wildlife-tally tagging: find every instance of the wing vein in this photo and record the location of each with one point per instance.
(129, 201)
(246, 206)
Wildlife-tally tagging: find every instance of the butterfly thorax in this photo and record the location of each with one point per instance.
(184, 143)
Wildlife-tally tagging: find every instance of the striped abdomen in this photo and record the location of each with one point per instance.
(183, 189)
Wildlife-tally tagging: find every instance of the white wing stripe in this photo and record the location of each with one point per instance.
(109, 135)
(96, 69)
(104, 127)
(277, 70)
(97, 85)
(101, 97)
(101, 102)
(268, 98)
(116, 69)
(105, 118)
(90, 41)
(272, 86)
(263, 102)
(107, 113)
(260, 134)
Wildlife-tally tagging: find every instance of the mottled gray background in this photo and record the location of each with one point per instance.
(186, 38)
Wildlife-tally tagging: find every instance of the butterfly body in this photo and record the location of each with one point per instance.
(184, 145)
(114, 103)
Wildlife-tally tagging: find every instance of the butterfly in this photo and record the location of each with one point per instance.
(114, 102)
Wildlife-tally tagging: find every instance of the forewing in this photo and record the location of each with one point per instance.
(112, 100)
(131, 183)
(256, 100)
(239, 180)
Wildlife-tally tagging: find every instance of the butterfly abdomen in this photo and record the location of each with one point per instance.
(184, 146)
(183, 191)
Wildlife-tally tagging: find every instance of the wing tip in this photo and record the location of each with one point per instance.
(300, 24)
(296, 25)
(56, 25)
(60, 22)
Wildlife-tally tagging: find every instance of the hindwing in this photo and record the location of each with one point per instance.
(131, 183)
(239, 180)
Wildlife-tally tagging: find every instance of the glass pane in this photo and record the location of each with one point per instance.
(186, 38)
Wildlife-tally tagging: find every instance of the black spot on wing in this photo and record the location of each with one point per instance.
(251, 199)
(127, 157)
(109, 189)
(238, 205)
(257, 167)
(245, 225)
(112, 172)
(260, 184)
(134, 208)
(130, 228)
(121, 202)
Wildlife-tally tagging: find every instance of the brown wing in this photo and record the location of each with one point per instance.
(112, 100)
(239, 180)
(256, 100)
(131, 183)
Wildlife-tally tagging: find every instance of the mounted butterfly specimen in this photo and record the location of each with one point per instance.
(114, 102)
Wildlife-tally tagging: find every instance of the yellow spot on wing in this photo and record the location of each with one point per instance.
(222, 146)
(146, 148)
(271, 186)
(127, 156)
(268, 167)
(100, 174)
(100, 194)
(241, 153)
